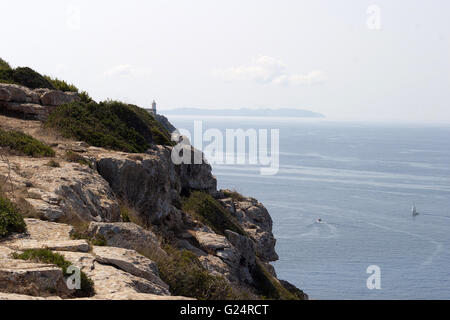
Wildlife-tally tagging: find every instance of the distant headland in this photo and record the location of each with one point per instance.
(245, 112)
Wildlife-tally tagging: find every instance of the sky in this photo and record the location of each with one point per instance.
(350, 60)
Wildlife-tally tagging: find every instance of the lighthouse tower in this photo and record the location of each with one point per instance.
(154, 107)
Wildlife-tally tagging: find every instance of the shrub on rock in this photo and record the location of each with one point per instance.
(11, 221)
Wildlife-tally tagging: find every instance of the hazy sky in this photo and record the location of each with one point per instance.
(334, 57)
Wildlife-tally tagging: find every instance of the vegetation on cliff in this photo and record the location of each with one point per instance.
(205, 208)
(24, 144)
(11, 221)
(109, 124)
(48, 256)
(29, 78)
(185, 275)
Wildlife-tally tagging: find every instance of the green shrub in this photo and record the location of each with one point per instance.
(125, 213)
(109, 124)
(24, 144)
(53, 164)
(30, 78)
(204, 207)
(268, 286)
(84, 97)
(49, 257)
(61, 84)
(185, 275)
(98, 240)
(4, 65)
(11, 220)
(77, 158)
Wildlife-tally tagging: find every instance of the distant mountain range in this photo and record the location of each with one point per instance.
(245, 112)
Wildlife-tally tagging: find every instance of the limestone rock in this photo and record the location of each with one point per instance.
(211, 242)
(151, 183)
(72, 191)
(16, 93)
(132, 295)
(127, 235)
(64, 245)
(35, 279)
(131, 262)
(5, 252)
(4, 95)
(256, 221)
(244, 246)
(33, 110)
(15, 296)
(215, 265)
(47, 231)
(37, 103)
(57, 98)
(111, 280)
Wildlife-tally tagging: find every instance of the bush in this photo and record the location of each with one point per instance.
(53, 164)
(24, 144)
(109, 124)
(236, 196)
(185, 275)
(4, 65)
(61, 84)
(98, 240)
(30, 78)
(48, 256)
(204, 207)
(77, 158)
(268, 286)
(11, 220)
(84, 97)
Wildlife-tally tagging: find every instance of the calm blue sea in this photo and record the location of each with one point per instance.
(361, 180)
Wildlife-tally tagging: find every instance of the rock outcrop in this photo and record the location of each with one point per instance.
(150, 182)
(35, 104)
(255, 220)
(126, 235)
(117, 273)
(71, 191)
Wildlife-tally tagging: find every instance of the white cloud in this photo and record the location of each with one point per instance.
(125, 70)
(268, 70)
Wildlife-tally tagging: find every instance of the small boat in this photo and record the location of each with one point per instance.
(414, 211)
(319, 220)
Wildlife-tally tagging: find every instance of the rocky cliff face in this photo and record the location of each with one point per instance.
(93, 192)
(33, 104)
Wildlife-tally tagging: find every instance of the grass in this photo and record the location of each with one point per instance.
(109, 124)
(205, 208)
(49, 257)
(233, 194)
(24, 144)
(11, 221)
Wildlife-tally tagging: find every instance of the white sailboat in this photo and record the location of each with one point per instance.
(414, 211)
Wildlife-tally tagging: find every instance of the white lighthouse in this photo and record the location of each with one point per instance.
(154, 107)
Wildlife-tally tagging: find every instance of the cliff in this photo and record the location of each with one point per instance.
(137, 225)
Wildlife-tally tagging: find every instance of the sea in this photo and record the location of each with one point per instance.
(361, 180)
